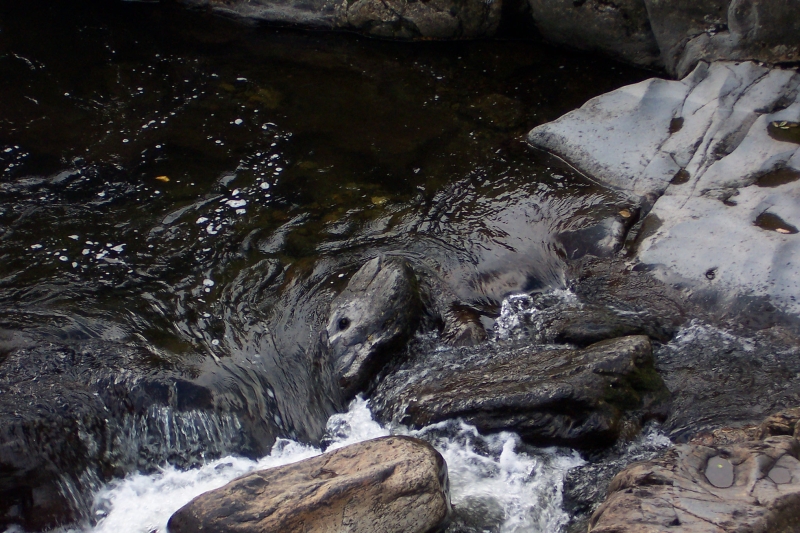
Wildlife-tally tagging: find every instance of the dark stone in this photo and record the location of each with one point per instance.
(620, 29)
(549, 396)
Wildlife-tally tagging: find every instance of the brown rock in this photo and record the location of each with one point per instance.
(385, 485)
(782, 423)
(751, 486)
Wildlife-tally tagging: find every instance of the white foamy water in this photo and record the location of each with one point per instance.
(494, 485)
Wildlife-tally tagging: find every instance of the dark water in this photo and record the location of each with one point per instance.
(203, 188)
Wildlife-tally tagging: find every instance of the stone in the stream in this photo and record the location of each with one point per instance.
(744, 485)
(390, 484)
(549, 396)
(703, 155)
(375, 313)
(397, 19)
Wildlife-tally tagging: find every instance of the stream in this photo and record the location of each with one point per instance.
(182, 196)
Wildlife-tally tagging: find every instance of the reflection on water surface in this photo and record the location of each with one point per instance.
(202, 189)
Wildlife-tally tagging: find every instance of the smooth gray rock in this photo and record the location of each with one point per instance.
(710, 157)
(387, 485)
(749, 486)
(549, 396)
(396, 19)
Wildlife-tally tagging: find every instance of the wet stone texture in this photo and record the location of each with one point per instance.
(719, 227)
(390, 484)
(549, 396)
(728, 481)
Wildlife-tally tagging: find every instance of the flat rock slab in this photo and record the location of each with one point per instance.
(549, 396)
(716, 159)
(751, 486)
(385, 485)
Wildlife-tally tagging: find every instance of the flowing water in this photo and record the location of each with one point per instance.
(183, 195)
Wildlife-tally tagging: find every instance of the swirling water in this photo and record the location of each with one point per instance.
(181, 196)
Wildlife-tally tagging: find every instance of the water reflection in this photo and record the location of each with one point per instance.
(204, 189)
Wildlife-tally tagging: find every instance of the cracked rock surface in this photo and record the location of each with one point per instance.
(390, 484)
(715, 158)
(732, 481)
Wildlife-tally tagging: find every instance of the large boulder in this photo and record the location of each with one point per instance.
(621, 29)
(675, 34)
(727, 483)
(715, 158)
(569, 397)
(688, 31)
(397, 19)
(390, 484)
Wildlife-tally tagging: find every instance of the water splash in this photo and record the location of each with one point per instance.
(497, 483)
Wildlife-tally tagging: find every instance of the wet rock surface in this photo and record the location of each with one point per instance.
(396, 19)
(548, 396)
(391, 484)
(712, 130)
(724, 484)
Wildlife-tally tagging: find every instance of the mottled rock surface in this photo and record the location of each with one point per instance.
(397, 19)
(391, 484)
(549, 396)
(726, 485)
(715, 158)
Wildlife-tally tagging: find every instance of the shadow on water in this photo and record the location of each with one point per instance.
(203, 189)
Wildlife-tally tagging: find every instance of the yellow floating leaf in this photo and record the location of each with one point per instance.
(379, 200)
(162, 178)
(625, 213)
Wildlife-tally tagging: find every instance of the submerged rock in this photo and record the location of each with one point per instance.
(397, 19)
(390, 484)
(738, 485)
(549, 396)
(694, 152)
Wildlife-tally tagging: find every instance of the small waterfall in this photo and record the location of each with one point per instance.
(498, 484)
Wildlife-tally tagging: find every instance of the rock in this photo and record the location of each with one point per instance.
(390, 484)
(621, 29)
(747, 486)
(378, 311)
(707, 154)
(549, 396)
(396, 19)
(688, 31)
(782, 423)
(675, 34)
